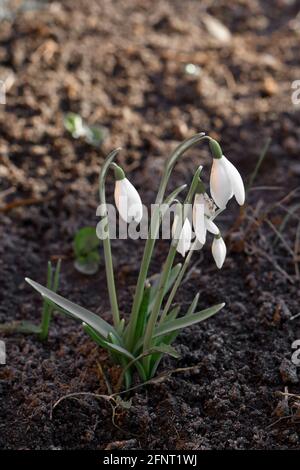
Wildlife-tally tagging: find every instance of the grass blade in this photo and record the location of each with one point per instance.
(258, 165)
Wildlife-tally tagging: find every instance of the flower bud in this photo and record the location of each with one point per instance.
(219, 251)
(127, 198)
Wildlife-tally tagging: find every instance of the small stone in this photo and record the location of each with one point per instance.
(192, 69)
(270, 87)
(217, 29)
(294, 438)
(291, 145)
(288, 372)
(295, 168)
(282, 409)
(180, 130)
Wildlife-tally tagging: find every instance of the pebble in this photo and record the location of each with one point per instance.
(288, 372)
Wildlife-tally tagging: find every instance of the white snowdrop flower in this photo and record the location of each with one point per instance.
(225, 180)
(219, 251)
(203, 211)
(196, 245)
(185, 236)
(199, 218)
(128, 201)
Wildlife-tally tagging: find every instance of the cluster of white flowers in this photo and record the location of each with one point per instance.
(225, 182)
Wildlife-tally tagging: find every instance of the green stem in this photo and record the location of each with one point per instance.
(106, 242)
(177, 284)
(149, 246)
(158, 301)
(167, 268)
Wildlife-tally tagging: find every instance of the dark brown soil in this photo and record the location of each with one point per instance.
(122, 65)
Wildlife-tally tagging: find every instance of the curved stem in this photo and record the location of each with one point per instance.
(178, 152)
(155, 221)
(177, 284)
(158, 301)
(106, 241)
(166, 270)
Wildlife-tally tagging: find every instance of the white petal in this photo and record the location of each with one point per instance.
(220, 185)
(196, 245)
(128, 201)
(198, 218)
(211, 226)
(174, 226)
(219, 251)
(236, 181)
(185, 238)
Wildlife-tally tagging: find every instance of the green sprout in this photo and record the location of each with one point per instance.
(52, 284)
(42, 330)
(86, 250)
(93, 135)
(138, 342)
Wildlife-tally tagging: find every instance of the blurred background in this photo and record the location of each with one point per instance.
(148, 74)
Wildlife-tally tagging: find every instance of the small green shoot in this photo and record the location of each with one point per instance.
(52, 284)
(86, 251)
(93, 135)
(258, 164)
(42, 330)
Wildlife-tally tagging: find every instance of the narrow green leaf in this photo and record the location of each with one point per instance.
(173, 313)
(171, 198)
(119, 349)
(56, 276)
(80, 313)
(164, 342)
(155, 351)
(28, 327)
(185, 321)
(25, 327)
(193, 305)
(52, 284)
(95, 336)
(121, 326)
(140, 326)
(163, 349)
(172, 278)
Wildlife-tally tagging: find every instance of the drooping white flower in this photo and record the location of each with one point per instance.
(185, 235)
(203, 211)
(225, 182)
(219, 251)
(128, 201)
(199, 218)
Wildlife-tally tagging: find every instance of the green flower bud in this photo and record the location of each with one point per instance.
(215, 148)
(119, 173)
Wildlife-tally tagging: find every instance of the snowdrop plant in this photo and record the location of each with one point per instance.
(139, 340)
